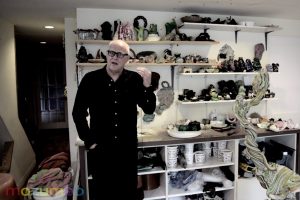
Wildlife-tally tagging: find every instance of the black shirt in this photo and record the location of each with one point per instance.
(112, 106)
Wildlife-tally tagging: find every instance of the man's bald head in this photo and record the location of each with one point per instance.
(120, 44)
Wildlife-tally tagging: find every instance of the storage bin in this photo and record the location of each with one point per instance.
(151, 181)
(59, 195)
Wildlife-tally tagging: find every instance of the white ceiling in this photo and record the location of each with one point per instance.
(30, 16)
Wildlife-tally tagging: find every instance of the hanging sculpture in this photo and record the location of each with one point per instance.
(279, 181)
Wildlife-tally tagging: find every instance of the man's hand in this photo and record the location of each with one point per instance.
(146, 75)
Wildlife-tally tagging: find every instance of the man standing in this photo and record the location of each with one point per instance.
(110, 96)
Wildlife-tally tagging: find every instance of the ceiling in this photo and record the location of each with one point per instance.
(30, 16)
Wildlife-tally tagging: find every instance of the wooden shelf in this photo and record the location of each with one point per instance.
(81, 42)
(210, 163)
(226, 27)
(221, 73)
(236, 28)
(175, 192)
(146, 64)
(218, 73)
(155, 170)
(220, 101)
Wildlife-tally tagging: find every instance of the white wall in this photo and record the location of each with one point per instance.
(282, 48)
(23, 160)
(70, 26)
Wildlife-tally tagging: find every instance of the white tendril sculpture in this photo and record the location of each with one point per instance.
(279, 181)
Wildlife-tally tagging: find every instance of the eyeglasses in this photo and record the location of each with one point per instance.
(118, 54)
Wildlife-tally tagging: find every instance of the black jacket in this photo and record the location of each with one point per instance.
(112, 107)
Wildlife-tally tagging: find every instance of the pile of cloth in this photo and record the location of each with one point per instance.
(52, 175)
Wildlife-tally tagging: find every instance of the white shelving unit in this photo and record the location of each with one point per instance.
(240, 185)
(165, 191)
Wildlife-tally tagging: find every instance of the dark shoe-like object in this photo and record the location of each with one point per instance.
(241, 64)
(275, 67)
(205, 20)
(231, 21)
(237, 66)
(203, 37)
(249, 66)
(217, 21)
(256, 64)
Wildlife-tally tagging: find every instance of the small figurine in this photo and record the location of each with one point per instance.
(259, 50)
(140, 30)
(106, 31)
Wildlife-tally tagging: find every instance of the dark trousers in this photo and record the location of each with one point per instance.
(114, 168)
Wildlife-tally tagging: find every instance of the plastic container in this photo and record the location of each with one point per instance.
(59, 195)
(151, 181)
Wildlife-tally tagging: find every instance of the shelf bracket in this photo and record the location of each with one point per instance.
(77, 74)
(205, 30)
(172, 76)
(235, 35)
(266, 39)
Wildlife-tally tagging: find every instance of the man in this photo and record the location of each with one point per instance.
(110, 95)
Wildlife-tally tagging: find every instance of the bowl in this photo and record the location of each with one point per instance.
(192, 18)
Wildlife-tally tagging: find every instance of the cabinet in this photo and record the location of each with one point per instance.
(251, 186)
(240, 190)
(166, 191)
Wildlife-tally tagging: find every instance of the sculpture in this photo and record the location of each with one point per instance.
(140, 30)
(279, 181)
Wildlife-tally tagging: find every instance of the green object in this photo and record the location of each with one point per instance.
(279, 181)
(153, 29)
(183, 128)
(170, 26)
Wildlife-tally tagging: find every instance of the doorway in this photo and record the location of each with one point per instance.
(42, 104)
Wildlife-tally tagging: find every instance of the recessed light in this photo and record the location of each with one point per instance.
(49, 27)
(43, 42)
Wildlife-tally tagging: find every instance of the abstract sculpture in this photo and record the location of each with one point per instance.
(279, 181)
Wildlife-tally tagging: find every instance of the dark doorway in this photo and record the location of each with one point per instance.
(42, 103)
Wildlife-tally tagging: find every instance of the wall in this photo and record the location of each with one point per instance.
(282, 48)
(70, 25)
(23, 155)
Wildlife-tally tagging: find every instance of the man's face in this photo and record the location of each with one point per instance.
(117, 57)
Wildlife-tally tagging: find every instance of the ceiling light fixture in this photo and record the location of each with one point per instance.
(49, 27)
(43, 42)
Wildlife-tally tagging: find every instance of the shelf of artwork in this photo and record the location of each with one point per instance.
(214, 102)
(226, 27)
(236, 28)
(81, 42)
(221, 73)
(94, 64)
